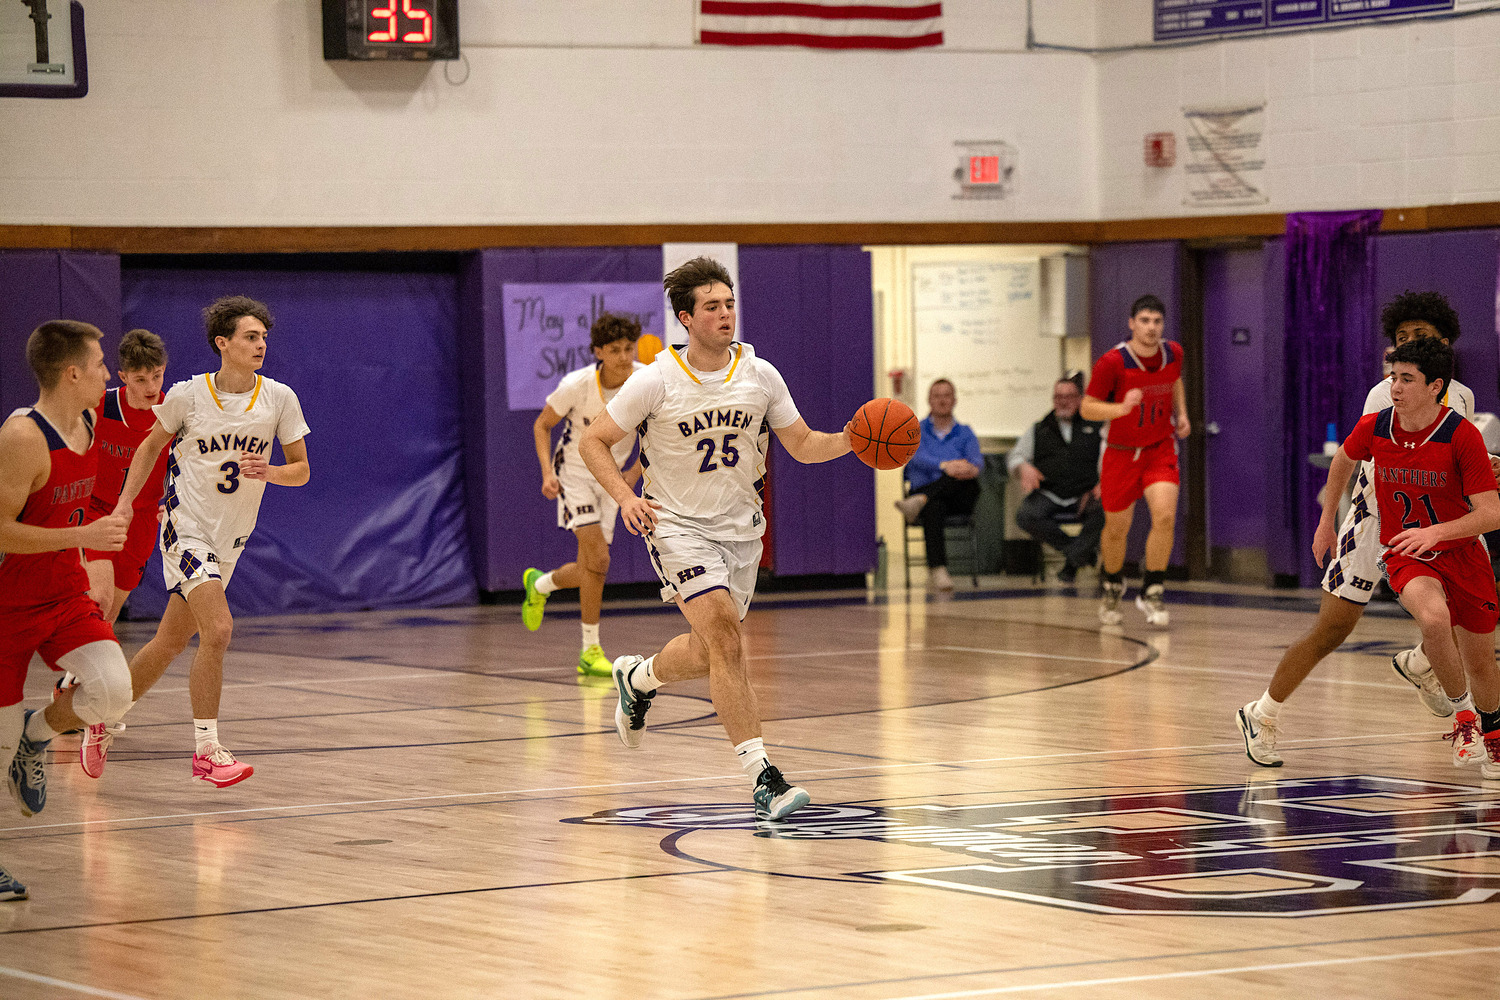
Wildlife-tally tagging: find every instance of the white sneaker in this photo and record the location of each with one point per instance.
(1151, 604)
(1260, 737)
(1490, 769)
(1468, 745)
(938, 578)
(1413, 667)
(912, 506)
(1109, 603)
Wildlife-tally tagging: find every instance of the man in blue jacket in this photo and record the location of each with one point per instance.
(944, 478)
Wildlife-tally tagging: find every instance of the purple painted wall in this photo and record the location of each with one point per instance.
(1461, 265)
(1120, 273)
(814, 320)
(40, 285)
(511, 525)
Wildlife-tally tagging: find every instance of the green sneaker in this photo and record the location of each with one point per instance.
(535, 603)
(593, 663)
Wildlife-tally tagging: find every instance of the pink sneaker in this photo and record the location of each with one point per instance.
(94, 750)
(1468, 744)
(218, 767)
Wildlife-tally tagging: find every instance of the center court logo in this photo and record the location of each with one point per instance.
(1269, 848)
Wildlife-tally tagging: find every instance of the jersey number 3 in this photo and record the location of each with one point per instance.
(231, 481)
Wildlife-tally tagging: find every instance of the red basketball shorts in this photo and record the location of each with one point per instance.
(1124, 473)
(130, 562)
(1468, 582)
(54, 631)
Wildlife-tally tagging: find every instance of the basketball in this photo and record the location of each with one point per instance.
(886, 433)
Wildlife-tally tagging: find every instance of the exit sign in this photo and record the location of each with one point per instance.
(984, 170)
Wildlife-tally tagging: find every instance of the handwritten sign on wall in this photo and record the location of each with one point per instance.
(547, 330)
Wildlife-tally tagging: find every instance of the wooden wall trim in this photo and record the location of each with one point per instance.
(364, 239)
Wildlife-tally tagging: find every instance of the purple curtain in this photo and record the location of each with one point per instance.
(1332, 352)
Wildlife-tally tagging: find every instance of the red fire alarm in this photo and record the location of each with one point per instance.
(1161, 149)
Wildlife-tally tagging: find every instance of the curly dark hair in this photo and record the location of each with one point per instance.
(1433, 358)
(682, 284)
(224, 314)
(610, 327)
(1428, 307)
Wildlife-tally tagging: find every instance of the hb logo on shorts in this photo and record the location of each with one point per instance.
(584, 509)
(684, 576)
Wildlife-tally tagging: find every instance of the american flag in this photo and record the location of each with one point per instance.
(826, 24)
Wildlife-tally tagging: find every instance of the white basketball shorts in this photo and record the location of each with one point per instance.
(190, 563)
(1356, 568)
(690, 566)
(583, 501)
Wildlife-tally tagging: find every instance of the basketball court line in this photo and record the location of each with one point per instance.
(92, 991)
(1198, 973)
(1265, 675)
(620, 785)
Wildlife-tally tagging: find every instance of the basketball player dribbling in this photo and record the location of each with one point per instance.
(223, 424)
(582, 505)
(1137, 387)
(705, 415)
(48, 461)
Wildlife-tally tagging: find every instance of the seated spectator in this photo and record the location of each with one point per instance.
(944, 477)
(1057, 460)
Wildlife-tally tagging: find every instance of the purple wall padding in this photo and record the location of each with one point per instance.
(1281, 557)
(1461, 265)
(1120, 273)
(41, 285)
(374, 359)
(511, 525)
(814, 320)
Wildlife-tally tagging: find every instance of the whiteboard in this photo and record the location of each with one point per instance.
(978, 324)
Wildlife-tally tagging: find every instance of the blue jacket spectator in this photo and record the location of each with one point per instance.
(944, 478)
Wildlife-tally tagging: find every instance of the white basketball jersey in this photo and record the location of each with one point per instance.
(579, 399)
(209, 502)
(704, 438)
(1458, 397)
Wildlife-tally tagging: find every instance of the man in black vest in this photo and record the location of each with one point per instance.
(1058, 463)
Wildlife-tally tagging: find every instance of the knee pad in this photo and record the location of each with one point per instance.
(104, 690)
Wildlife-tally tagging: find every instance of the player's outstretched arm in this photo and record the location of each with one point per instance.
(1093, 408)
(811, 447)
(294, 472)
(1339, 471)
(24, 467)
(638, 513)
(541, 431)
(140, 467)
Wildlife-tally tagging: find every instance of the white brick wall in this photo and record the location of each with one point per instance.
(224, 113)
(1375, 116)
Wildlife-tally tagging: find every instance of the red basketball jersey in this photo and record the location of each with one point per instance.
(1119, 371)
(1421, 477)
(121, 430)
(42, 578)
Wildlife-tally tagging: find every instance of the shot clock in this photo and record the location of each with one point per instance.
(390, 29)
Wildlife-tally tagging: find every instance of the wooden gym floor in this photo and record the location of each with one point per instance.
(1006, 801)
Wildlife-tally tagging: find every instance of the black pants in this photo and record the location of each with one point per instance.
(946, 497)
(1038, 514)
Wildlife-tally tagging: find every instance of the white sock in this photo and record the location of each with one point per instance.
(590, 634)
(752, 756)
(205, 731)
(544, 584)
(1463, 703)
(1267, 707)
(37, 730)
(643, 678)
